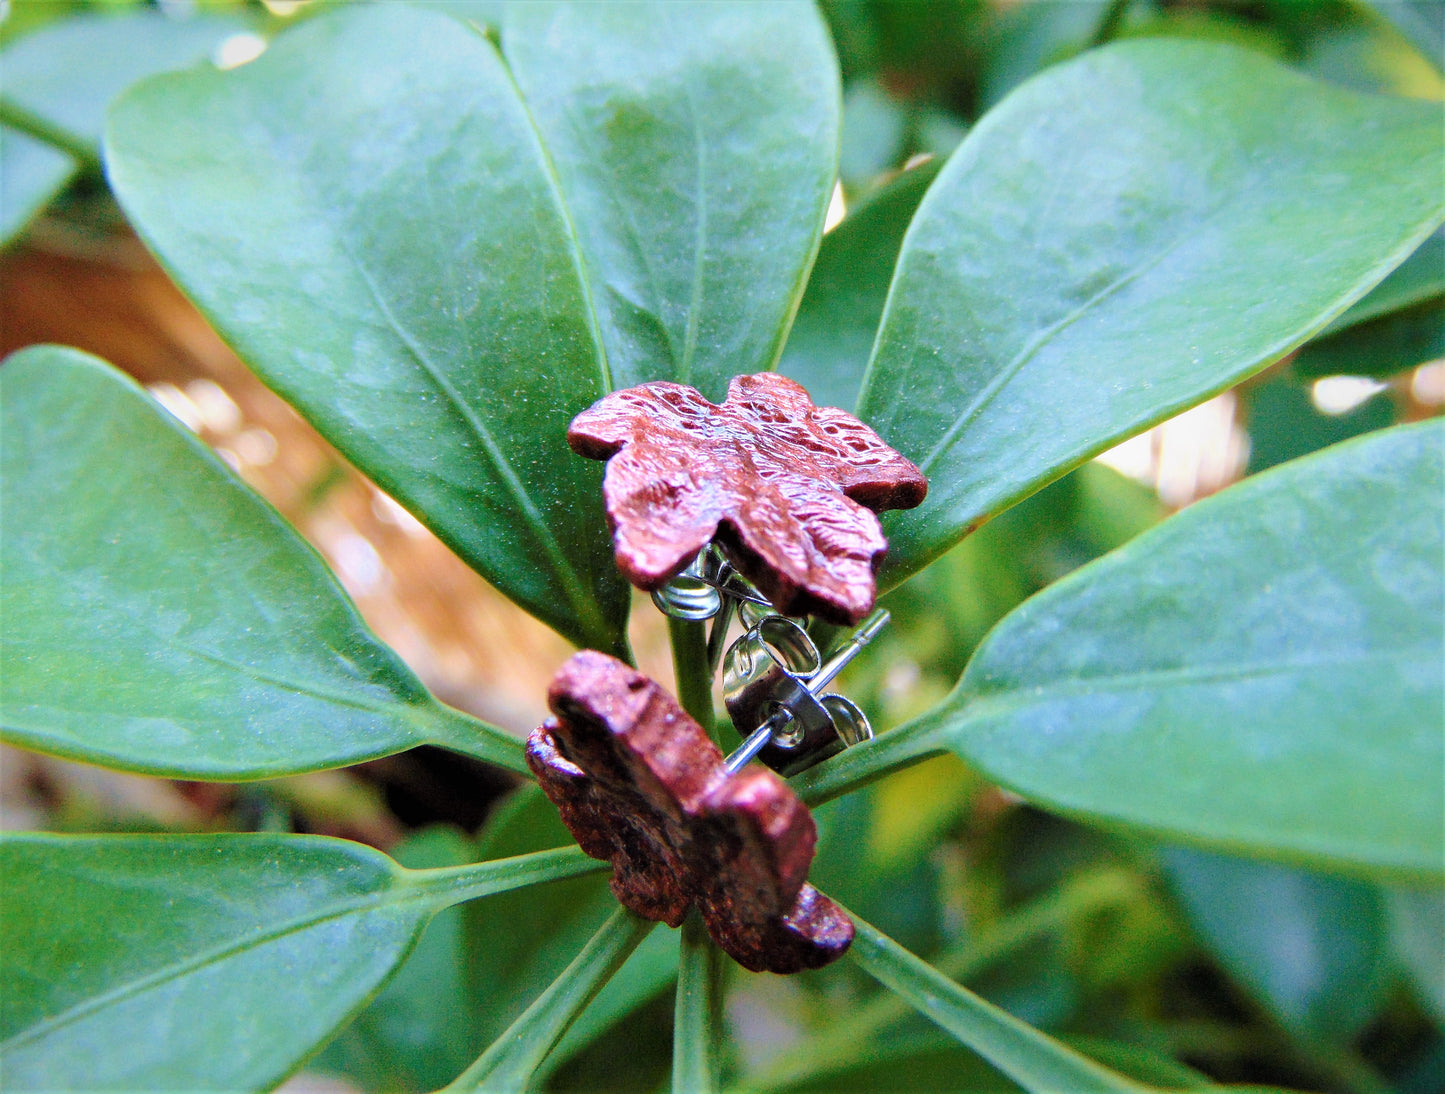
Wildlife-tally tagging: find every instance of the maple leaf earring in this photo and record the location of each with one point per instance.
(763, 506)
(787, 490)
(640, 785)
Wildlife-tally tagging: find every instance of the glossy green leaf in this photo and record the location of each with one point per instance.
(513, 1058)
(1311, 947)
(68, 72)
(832, 336)
(205, 962)
(31, 174)
(383, 242)
(1417, 922)
(59, 81)
(1261, 671)
(1036, 1062)
(524, 939)
(1379, 348)
(1123, 237)
(421, 1029)
(1419, 278)
(696, 147)
(161, 617)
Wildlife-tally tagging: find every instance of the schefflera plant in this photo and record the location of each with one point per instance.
(440, 250)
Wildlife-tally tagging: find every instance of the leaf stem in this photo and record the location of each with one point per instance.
(694, 677)
(460, 732)
(42, 129)
(1031, 1058)
(454, 884)
(852, 1039)
(863, 763)
(697, 1019)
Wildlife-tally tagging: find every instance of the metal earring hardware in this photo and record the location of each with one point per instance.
(711, 589)
(693, 594)
(772, 678)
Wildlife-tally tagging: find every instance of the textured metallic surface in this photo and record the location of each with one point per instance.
(639, 783)
(787, 488)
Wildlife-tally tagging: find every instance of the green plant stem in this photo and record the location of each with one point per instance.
(857, 766)
(513, 1058)
(698, 1015)
(694, 679)
(454, 884)
(1032, 1059)
(462, 733)
(42, 129)
(851, 1040)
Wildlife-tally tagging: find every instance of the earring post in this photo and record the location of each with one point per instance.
(759, 738)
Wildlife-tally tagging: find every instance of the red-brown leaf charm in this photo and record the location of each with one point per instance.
(781, 483)
(639, 783)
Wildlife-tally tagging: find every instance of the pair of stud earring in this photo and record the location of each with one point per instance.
(773, 676)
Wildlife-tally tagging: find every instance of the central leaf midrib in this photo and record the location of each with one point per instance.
(534, 522)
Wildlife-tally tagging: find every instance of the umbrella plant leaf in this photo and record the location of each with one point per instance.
(1260, 672)
(832, 336)
(206, 962)
(60, 79)
(161, 617)
(1122, 237)
(696, 146)
(382, 241)
(1311, 946)
(1418, 279)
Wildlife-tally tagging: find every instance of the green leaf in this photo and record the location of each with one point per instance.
(69, 71)
(523, 939)
(1033, 1060)
(421, 1029)
(1419, 278)
(696, 147)
(1417, 921)
(60, 79)
(509, 1064)
(1378, 348)
(31, 174)
(832, 336)
(1311, 947)
(1284, 423)
(161, 617)
(205, 962)
(1260, 672)
(1125, 236)
(382, 241)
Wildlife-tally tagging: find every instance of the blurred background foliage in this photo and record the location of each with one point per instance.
(1207, 965)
